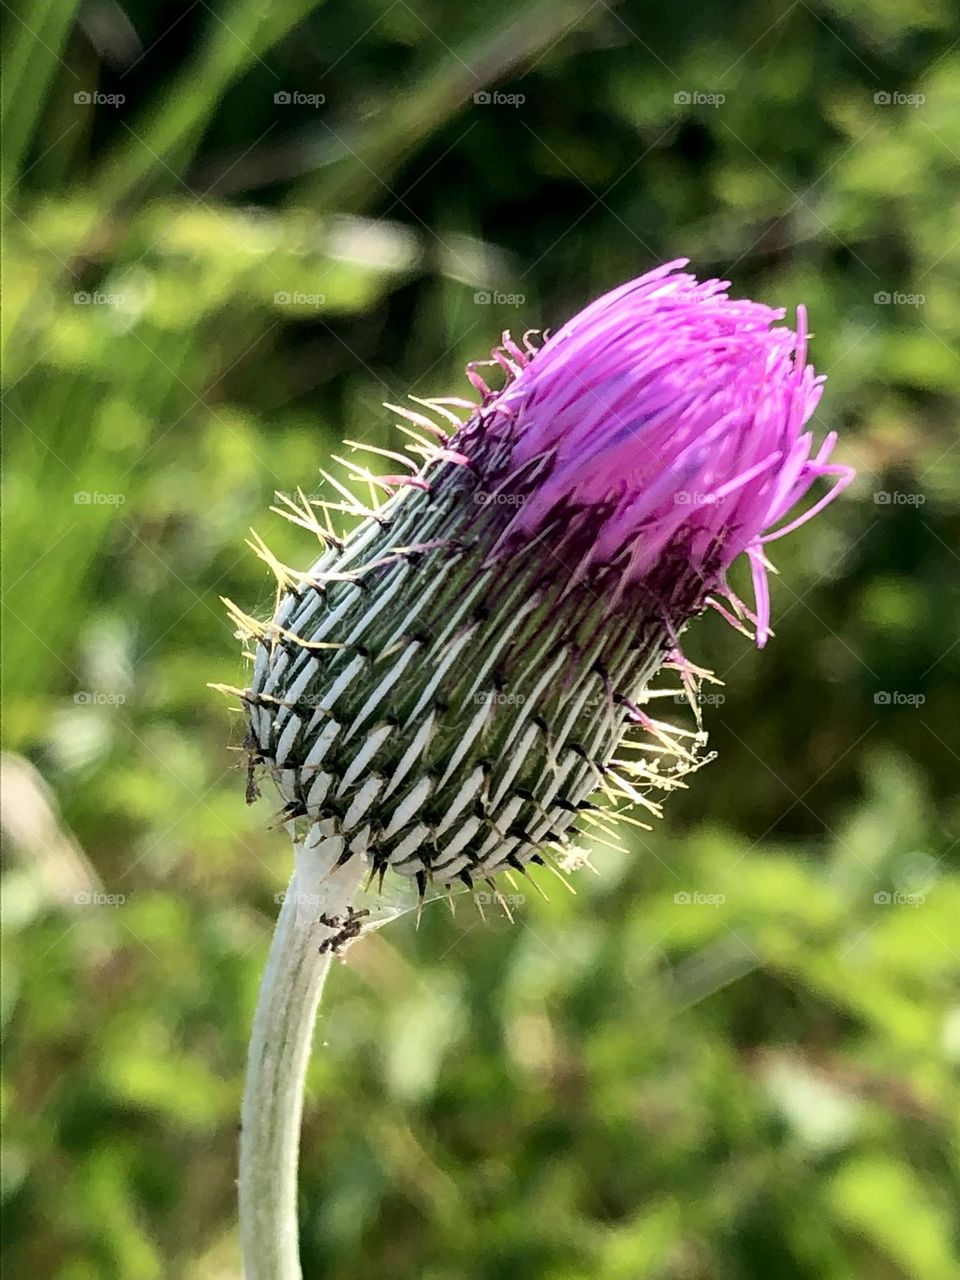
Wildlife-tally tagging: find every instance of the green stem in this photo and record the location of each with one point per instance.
(279, 1054)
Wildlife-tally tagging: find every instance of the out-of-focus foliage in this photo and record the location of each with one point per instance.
(210, 280)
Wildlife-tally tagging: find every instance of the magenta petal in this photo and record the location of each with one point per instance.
(672, 416)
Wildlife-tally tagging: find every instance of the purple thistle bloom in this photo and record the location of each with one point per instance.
(672, 417)
(448, 686)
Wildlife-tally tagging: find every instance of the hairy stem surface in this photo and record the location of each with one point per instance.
(280, 1052)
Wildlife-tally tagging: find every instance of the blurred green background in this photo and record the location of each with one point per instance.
(231, 232)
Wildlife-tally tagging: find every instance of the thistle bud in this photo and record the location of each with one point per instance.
(450, 684)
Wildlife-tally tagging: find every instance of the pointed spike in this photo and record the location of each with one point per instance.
(348, 497)
(383, 453)
(285, 576)
(230, 690)
(276, 629)
(365, 477)
(304, 517)
(440, 406)
(420, 419)
(243, 620)
(539, 888)
(561, 877)
(423, 445)
(422, 888)
(502, 901)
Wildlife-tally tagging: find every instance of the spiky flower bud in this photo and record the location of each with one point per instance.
(447, 686)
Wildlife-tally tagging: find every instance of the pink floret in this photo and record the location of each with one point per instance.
(678, 413)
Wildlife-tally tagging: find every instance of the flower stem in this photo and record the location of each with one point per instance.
(280, 1052)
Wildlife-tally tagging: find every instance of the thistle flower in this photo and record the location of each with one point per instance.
(447, 686)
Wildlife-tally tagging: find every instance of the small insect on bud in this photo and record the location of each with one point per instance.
(450, 684)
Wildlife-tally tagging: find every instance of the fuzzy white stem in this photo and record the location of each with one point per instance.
(279, 1053)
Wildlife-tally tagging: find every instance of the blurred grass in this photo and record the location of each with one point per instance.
(204, 291)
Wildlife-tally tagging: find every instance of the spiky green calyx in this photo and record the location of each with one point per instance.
(452, 711)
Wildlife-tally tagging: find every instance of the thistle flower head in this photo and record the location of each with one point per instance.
(447, 686)
(670, 418)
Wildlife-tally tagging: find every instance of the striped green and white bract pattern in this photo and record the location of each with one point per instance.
(458, 683)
